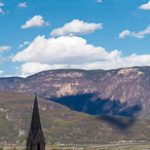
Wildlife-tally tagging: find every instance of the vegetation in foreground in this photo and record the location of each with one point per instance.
(123, 146)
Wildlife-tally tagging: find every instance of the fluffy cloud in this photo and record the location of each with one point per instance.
(1, 10)
(63, 52)
(1, 4)
(139, 35)
(25, 43)
(1, 72)
(124, 34)
(60, 50)
(76, 27)
(22, 5)
(35, 21)
(121, 62)
(99, 1)
(4, 48)
(30, 68)
(72, 52)
(145, 6)
(34, 67)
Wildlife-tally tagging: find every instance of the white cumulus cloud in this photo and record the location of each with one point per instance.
(1, 10)
(35, 21)
(99, 1)
(22, 5)
(5, 48)
(72, 52)
(139, 35)
(34, 67)
(25, 43)
(1, 72)
(1, 4)
(31, 68)
(60, 50)
(124, 34)
(76, 27)
(145, 6)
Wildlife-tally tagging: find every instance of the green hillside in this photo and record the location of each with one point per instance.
(62, 125)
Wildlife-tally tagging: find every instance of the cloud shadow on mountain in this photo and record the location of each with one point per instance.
(104, 109)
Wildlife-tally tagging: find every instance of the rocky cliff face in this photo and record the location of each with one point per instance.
(98, 92)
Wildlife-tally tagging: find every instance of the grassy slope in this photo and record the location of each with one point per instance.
(61, 125)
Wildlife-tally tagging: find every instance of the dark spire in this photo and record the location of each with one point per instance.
(35, 140)
(35, 122)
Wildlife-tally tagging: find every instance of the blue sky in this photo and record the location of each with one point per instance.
(98, 34)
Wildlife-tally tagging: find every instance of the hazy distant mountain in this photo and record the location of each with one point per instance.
(122, 92)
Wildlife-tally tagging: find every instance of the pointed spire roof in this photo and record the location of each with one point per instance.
(35, 122)
(35, 126)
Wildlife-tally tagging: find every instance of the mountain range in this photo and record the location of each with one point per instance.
(122, 92)
(79, 106)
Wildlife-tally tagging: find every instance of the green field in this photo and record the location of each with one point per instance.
(125, 146)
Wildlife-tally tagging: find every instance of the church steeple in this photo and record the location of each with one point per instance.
(35, 140)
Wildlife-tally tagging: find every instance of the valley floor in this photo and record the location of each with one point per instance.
(126, 146)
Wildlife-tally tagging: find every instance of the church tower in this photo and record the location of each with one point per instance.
(35, 140)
